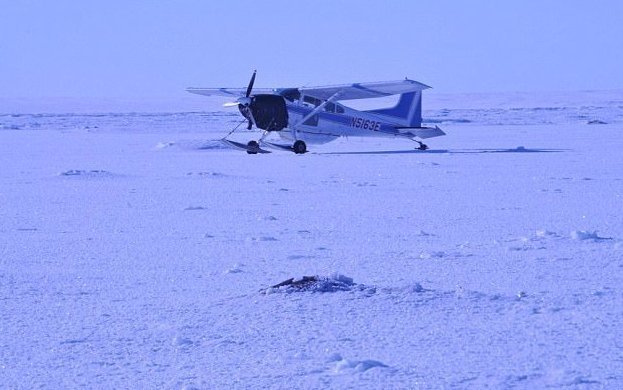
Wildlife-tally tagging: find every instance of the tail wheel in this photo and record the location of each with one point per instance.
(299, 147)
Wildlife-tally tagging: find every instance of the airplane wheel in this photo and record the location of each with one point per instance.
(423, 147)
(253, 147)
(299, 147)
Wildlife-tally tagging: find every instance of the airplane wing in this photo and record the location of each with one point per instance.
(364, 90)
(236, 92)
(346, 91)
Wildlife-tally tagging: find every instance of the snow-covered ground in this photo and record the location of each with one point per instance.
(136, 251)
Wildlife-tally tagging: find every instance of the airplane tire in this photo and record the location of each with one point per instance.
(299, 147)
(253, 147)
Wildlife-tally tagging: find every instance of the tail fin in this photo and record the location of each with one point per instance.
(407, 112)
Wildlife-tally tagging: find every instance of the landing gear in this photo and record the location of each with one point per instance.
(253, 147)
(422, 146)
(299, 147)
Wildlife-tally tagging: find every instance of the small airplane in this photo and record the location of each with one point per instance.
(313, 114)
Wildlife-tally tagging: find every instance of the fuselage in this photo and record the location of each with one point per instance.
(336, 120)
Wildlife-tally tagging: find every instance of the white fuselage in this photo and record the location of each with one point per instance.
(335, 120)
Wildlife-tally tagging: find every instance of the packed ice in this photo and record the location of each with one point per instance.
(137, 250)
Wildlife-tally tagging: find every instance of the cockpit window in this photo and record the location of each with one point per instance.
(329, 107)
(312, 100)
(313, 121)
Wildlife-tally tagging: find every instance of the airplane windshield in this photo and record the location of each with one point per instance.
(290, 94)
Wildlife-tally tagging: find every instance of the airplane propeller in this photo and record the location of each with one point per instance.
(244, 103)
(250, 87)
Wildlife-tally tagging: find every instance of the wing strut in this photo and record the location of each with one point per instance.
(313, 112)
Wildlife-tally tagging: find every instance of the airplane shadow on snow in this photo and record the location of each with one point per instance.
(454, 151)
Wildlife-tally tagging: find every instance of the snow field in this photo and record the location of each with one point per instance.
(140, 252)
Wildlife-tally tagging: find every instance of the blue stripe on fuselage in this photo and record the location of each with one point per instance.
(342, 119)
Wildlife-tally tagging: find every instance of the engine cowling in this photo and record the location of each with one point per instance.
(269, 112)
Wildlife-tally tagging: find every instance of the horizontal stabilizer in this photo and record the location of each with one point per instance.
(421, 132)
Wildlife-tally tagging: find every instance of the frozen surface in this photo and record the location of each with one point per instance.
(137, 251)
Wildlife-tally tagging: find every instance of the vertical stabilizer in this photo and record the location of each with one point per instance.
(407, 112)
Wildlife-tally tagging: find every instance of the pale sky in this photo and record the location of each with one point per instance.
(129, 49)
